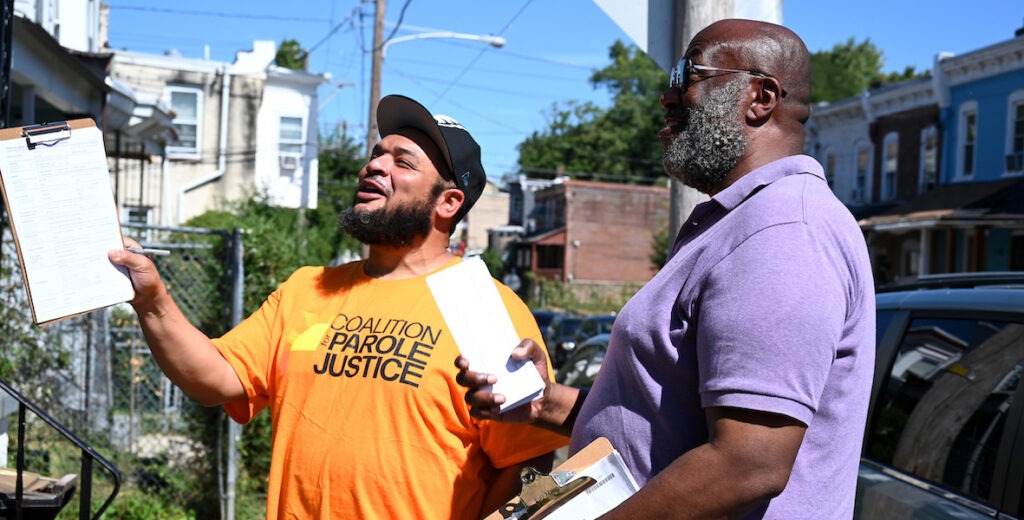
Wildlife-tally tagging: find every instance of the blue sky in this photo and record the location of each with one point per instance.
(552, 47)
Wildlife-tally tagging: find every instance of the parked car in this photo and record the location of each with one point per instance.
(544, 317)
(561, 331)
(590, 325)
(945, 430)
(581, 366)
(945, 427)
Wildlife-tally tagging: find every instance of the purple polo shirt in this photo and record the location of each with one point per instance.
(767, 303)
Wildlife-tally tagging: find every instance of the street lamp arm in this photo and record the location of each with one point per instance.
(494, 41)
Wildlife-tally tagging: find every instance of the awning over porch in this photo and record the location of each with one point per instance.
(967, 204)
(553, 237)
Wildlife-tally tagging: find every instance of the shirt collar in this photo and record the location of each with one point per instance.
(735, 194)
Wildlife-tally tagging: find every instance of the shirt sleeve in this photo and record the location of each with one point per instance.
(770, 319)
(508, 444)
(249, 348)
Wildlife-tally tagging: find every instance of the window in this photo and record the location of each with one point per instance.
(890, 166)
(138, 216)
(968, 136)
(550, 257)
(1015, 134)
(929, 160)
(291, 142)
(861, 193)
(943, 406)
(187, 104)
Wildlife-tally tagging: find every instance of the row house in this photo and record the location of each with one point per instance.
(931, 167)
(59, 71)
(181, 134)
(243, 128)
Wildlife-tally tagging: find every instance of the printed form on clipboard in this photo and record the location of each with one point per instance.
(589, 484)
(63, 217)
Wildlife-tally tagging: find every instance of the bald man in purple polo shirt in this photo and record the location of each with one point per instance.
(736, 382)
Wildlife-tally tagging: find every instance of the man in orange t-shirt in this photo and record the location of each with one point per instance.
(354, 361)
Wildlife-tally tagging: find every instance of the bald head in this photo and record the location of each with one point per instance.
(767, 48)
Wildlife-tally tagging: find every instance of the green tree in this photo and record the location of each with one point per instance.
(291, 55)
(617, 144)
(849, 69)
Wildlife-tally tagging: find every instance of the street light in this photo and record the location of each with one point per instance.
(379, 50)
(494, 41)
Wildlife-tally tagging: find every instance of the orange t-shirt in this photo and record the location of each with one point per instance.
(368, 421)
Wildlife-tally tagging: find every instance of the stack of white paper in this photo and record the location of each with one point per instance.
(478, 321)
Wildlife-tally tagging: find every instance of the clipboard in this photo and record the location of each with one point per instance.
(63, 217)
(587, 485)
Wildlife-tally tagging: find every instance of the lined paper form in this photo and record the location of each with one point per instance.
(64, 218)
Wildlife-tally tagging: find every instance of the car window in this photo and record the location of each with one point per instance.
(582, 367)
(567, 327)
(882, 320)
(943, 406)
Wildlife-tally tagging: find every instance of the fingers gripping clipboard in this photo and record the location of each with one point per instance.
(587, 485)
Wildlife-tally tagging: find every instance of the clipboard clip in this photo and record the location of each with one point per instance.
(46, 134)
(542, 492)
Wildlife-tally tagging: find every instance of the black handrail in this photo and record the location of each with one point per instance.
(88, 455)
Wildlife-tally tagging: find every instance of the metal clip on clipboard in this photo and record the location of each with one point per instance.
(46, 134)
(542, 492)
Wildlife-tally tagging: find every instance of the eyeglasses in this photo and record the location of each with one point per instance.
(681, 76)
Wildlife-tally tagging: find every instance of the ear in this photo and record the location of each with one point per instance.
(767, 96)
(449, 202)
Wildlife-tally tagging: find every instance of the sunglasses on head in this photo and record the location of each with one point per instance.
(681, 76)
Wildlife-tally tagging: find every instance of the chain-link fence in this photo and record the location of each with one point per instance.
(95, 374)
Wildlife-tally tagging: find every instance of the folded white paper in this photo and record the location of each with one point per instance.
(481, 327)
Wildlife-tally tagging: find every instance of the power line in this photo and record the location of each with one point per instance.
(480, 55)
(467, 109)
(398, 24)
(307, 52)
(222, 14)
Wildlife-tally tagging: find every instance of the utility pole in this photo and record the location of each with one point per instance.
(691, 17)
(377, 59)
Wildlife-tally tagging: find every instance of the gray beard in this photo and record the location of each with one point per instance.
(703, 154)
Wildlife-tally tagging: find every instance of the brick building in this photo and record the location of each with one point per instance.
(593, 232)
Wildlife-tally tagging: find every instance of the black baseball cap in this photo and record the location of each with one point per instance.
(460, 151)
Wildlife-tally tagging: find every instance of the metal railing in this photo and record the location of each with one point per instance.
(86, 469)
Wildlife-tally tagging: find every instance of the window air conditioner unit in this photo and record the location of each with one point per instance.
(1015, 162)
(290, 162)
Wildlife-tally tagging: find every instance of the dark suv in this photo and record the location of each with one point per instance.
(945, 431)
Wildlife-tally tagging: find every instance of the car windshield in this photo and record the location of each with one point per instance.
(567, 327)
(543, 318)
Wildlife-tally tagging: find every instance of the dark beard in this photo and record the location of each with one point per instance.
(703, 154)
(395, 227)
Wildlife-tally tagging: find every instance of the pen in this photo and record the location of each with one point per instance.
(148, 251)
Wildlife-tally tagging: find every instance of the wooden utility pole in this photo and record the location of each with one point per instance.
(377, 59)
(691, 17)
